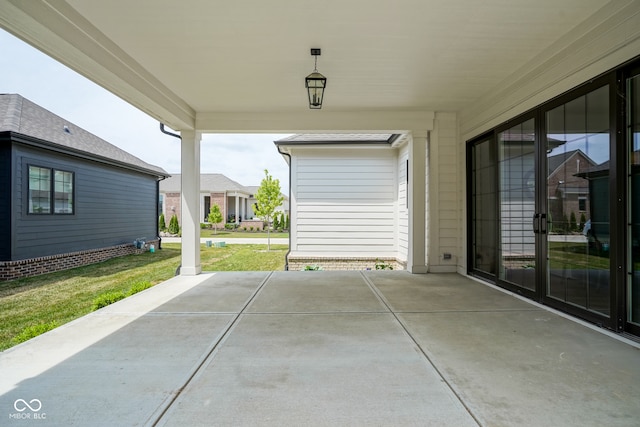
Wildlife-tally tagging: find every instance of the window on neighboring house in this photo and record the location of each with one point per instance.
(160, 203)
(46, 185)
(582, 204)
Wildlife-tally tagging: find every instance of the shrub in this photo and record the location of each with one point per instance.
(174, 227)
(34, 330)
(573, 226)
(312, 268)
(203, 226)
(583, 220)
(162, 224)
(244, 228)
(107, 298)
(251, 228)
(138, 287)
(381, 265)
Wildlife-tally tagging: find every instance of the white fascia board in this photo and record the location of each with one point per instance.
(56, 29)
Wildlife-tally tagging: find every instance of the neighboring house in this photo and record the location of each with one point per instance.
(235, 200)
(67, 197)
(567, 188)
(348, 200)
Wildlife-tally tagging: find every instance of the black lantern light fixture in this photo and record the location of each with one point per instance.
(315, 83)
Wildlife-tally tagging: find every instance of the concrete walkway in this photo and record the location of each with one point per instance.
(322, 348)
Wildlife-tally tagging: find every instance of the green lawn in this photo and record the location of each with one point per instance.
(57, 298)
(577, 256)
(226, 234)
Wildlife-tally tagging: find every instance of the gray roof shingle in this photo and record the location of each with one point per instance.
(19, 115)
(212, 182)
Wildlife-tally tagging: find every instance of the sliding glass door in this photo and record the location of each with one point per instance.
(517, 171)
(633, 232)
(555, 202)
(577, 135)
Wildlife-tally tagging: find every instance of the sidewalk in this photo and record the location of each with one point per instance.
(232, 241)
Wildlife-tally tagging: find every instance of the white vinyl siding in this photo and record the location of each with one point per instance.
(403, 210)
(345, 202)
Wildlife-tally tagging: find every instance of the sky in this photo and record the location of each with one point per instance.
(44, 81)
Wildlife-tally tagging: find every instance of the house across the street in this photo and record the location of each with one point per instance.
(67, 197)
(235, 200)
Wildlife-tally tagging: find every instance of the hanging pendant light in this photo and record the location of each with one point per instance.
(315, 83)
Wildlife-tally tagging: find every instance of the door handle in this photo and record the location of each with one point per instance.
(543, 223)
(536, 223)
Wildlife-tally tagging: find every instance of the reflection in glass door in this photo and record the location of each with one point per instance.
(578, 239)
(516, 151)
(633, 125)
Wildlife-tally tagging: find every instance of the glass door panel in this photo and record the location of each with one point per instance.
(516, 151)
(483, 204)
(633, 126)
(578, 239)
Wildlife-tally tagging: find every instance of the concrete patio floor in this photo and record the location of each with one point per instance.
(322, 348)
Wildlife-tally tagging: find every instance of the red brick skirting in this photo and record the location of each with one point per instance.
(297, 263)
(10, 270)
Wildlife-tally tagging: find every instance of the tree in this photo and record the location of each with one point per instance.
(162, 224)
(573, 226)
(268, 199)
(174, 227)
(215, 217)
(276, 221)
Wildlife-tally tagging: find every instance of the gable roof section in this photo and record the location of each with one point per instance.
(21, 116)
(211, 182)
(554, 162)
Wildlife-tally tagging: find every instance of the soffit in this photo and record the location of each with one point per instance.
(209, 56)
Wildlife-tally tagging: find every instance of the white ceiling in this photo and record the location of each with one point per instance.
(177, 59)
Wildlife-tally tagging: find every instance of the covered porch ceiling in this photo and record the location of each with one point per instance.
(240, 66)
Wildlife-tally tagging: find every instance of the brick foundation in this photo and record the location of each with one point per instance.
(248, 223)
(10, 270)
(343, 263)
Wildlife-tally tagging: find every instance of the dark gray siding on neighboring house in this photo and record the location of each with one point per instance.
(5, 200)
(112, 206)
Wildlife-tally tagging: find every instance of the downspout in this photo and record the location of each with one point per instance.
(286, 257)
(175, 135)
(158, 212)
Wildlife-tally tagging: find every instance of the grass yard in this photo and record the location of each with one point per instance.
(578, 256)
(36, 304)
(226, 234)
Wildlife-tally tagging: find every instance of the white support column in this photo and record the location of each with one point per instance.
(416, 262)
(190, 165)
(237, 209)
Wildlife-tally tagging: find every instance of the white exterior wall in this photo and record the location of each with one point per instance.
(403, 205)
(344, 202)
(444, 187)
